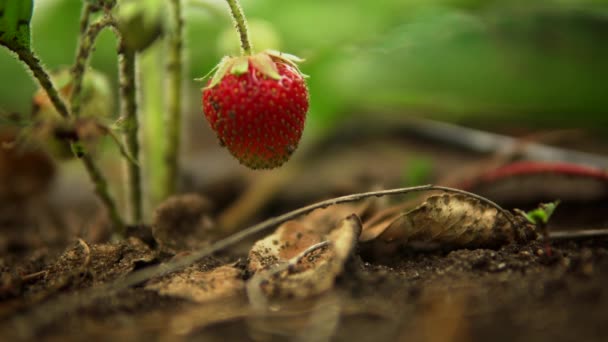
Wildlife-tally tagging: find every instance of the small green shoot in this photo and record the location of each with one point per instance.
(541, 215)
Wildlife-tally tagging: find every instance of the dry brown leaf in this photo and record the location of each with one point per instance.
(453, 220)
(201, 286)
(294, 263)
(102, 262)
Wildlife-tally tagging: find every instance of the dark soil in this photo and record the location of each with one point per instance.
(516, 292)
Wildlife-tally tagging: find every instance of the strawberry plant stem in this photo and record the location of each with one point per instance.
(150, 83)
(102, 191)
(95, 174)
(128, 103)
(82, 57)
(174, 100)
(85, 18)
(241, 26)
(43, 78)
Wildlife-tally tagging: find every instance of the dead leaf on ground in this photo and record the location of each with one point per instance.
(298, 261)
(201, 286)
(101, 262)
(451, 220)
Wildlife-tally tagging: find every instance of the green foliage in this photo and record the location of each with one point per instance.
(542, 214)
(15, 16)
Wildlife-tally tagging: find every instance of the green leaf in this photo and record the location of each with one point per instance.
(15, 16)
(542, 214)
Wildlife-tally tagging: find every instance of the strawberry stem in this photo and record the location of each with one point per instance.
(174, 98)
(98, 179)
(128, 112)
(39, 72)
(240, 24)
(85, 47)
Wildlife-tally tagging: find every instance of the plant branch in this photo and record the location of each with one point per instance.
(128, 103)
(174, 100)
(150, 83)
(93, 170)
(577, 234)
(44, 79)
(83, 25)
(240, 23)
(101, 188)
(83, 53)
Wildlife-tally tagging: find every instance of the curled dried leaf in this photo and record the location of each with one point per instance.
(289, 265)
(455, 220)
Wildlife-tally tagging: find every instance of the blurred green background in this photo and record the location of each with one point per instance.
(532, 63)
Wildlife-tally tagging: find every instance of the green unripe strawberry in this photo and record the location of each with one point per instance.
(257, 107)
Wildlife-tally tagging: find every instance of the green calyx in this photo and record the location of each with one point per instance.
(264, 62)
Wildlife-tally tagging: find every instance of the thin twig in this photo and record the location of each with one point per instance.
(577, 234)
(174, 99)
(128, 101)
(34, 276)
(83, 53)
(486, 142)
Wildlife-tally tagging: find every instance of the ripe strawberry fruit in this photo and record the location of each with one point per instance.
(257, 107)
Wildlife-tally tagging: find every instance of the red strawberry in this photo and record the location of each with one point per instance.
(257, 107)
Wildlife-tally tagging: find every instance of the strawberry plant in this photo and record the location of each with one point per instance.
(256, 103)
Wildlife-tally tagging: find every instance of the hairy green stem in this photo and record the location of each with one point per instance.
(95, 174)
(44, 79)
(82, 57)
(128, 102)
(101, 189)
(85, 17)
(150, 83)
(240, 24)
(174, 99)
